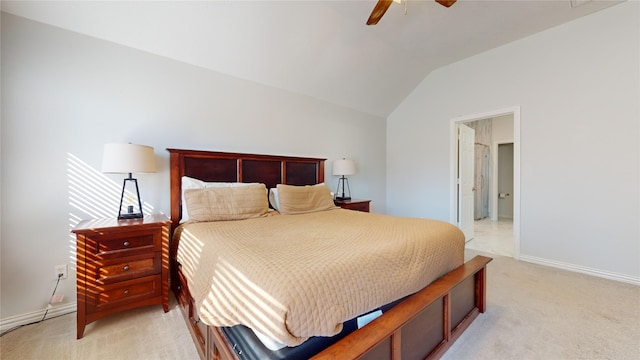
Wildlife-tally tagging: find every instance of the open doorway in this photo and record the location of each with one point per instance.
(496, 197)
(503, 181)
(494, 229)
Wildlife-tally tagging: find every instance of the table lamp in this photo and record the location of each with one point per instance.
(129, 158)
(343, 168)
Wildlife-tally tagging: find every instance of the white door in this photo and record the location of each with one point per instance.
(466, 143)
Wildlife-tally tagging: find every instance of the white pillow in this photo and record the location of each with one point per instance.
(273, 199)
(192, 183)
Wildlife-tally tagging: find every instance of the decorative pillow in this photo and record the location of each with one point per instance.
(227, 203)
(192, 183)
(304, 199)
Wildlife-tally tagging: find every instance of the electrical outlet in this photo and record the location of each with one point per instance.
(61, 269)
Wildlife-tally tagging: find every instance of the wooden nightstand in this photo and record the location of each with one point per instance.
(121, 265)
(354, 204)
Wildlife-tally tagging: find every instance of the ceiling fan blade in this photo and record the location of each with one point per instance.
(379, 10)
(446, 3)
(382, 6)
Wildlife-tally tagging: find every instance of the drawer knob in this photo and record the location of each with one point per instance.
(126, 292)
(126, 267)
(126, 243)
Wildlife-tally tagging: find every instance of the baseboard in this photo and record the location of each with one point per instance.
(35, 316)
(635, 280)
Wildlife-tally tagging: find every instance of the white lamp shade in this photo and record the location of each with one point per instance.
(128, 158)
(344, 167)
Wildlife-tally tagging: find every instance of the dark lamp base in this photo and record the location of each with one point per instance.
(342, 198)
(130, 216)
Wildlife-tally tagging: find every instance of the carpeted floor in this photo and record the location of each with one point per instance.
(143, 334)
(534, 312)
(538, 312)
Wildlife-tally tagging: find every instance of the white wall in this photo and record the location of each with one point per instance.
(578, 87)
(66, 94)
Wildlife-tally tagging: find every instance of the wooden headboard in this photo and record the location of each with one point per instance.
(234, 167)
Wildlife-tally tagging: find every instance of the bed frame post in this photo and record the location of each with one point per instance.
(175, 169)
(396, 345)
(447, 317)
(481, 289)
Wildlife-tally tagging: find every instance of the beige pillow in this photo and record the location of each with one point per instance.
(304, 199)
(227, 203)
(191, 183)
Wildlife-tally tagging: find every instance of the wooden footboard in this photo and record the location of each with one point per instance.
(423, 326)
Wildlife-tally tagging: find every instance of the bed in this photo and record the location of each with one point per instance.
(419, 324)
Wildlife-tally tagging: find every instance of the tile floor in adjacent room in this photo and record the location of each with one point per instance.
(493, 236)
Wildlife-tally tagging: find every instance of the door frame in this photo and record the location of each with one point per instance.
(453, 166)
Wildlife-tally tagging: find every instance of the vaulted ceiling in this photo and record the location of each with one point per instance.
(322, 49)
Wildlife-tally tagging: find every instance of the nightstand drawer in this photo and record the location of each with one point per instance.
(119, 244)
(124, 292)
(110, 271)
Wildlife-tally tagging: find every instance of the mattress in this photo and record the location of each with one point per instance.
(292, 277)
(248, 346)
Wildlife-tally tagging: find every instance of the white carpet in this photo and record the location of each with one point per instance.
(537, 312)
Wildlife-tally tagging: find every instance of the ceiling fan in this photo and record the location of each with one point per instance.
(382, 6)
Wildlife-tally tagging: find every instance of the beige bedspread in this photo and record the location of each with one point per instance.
(291, 277)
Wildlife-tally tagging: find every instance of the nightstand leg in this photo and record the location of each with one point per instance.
(81, 317)
(81, 326)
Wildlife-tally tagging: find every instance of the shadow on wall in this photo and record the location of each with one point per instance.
(92, 195)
